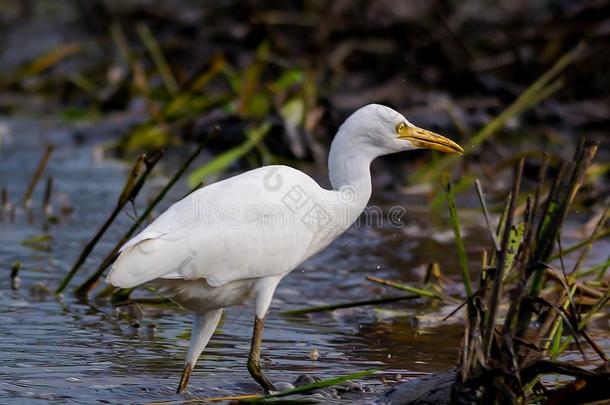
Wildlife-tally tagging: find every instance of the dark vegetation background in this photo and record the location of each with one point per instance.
(159, 73)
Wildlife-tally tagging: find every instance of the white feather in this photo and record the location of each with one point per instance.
(257, 224)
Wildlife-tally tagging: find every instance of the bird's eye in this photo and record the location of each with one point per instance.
(400, 127)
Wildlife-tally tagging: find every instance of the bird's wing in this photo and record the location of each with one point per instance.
(260, 223)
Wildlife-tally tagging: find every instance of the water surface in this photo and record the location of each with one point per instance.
(62, 350)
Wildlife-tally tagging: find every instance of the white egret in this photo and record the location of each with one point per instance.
(240, 236)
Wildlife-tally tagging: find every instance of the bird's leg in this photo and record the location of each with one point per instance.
(184, 380)
(264, 289)
(254, 358)
(203, 328)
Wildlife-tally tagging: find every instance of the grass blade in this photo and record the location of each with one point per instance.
(256, 398)
(324, 308)
(46, 61)
(227, 158)
(404, 287)
(492, 232)
(455, 224)
(158, 58)
(576, 246)
(305, 388)
(494, 298)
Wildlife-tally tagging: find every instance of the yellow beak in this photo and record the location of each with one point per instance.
(421, 138)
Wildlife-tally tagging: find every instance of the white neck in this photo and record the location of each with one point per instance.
(349, 168)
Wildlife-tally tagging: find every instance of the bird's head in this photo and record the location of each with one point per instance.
(384, 131)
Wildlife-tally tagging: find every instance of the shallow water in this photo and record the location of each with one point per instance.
(66, 351)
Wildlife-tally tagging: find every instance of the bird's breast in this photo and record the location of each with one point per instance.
(199, 296)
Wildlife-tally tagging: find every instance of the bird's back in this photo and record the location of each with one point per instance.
(261, 223)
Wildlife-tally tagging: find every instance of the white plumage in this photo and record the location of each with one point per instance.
(238, 237)
(238, 228)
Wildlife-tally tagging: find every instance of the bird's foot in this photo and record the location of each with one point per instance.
(267, 385)
(257, 373)
(184, 380)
